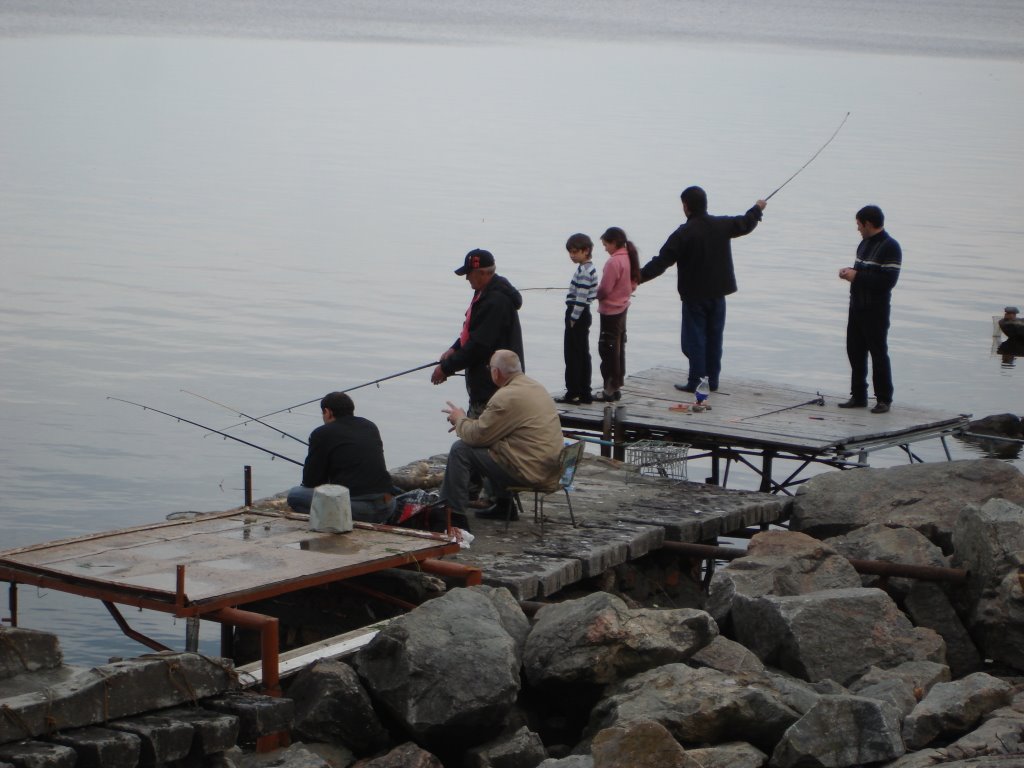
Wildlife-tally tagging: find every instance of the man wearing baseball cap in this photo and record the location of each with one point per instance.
(492, 323)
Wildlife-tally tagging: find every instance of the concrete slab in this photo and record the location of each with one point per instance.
(100, 747)
(27, 650)
(257, 715)
(38, 754)
(162, 740)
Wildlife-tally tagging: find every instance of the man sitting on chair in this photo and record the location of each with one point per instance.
(515, 441)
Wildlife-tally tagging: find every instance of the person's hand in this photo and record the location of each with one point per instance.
(848, 273)
(454, 413)
(762, 204)
(438, 376)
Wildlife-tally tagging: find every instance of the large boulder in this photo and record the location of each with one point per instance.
(989, 542)
(698, 706)
(598, 640)
(838, 634)
(448, 672)
(779, 563)
(735, 754)
(877, 541)
(952, 709)
(928, 605)
(643, 744)
(841, 731)
(926, 497)
(902, 686)
(332, 706)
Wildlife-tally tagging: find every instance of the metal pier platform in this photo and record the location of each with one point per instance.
(756, 423)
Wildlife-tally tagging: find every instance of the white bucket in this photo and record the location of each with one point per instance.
(331, 510)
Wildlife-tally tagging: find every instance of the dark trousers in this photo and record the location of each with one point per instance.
(611, 347)
(464, 461)
(701, 339)
(867, 333)
(578, 368)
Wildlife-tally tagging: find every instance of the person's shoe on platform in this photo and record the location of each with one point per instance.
(499, 511)
(881, 407)
(568, 399)
(686, 388)
(853, 402)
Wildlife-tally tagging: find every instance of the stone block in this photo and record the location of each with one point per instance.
(27, 650)
(162, 740)
(101, 747)
(213, 732)
(258, 715)
(38, 754)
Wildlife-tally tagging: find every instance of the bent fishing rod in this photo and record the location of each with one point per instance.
(245, 415)
(819, 400)
(274, 454)
(834, 134)
(317, 399)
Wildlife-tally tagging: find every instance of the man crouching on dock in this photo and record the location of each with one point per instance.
(516, 440)
(346, 450)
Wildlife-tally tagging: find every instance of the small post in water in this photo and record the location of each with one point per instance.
(248, 485)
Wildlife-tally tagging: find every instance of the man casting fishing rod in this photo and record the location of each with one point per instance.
(347, 450)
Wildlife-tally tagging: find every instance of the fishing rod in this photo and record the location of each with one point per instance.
(317, 399)
(275, 454)
(819, 400)
(246, 415)
(836, 133)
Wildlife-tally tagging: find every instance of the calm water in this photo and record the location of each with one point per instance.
(259, 208)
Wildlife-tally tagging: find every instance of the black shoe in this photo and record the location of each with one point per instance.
(685, 388)
(586, 399)
(604, 397)
(880, 407)
(500, 511)
(854, 403)
(568, 399)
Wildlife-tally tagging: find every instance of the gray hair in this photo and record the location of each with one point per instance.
(506, 361)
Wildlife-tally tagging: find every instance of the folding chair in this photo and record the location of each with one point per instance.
(568, 460)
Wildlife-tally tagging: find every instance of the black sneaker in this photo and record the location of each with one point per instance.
(685, 388)
(880, 407)
(855, 403)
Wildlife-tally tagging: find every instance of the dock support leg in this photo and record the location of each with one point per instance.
(619, 434)
(606, 433)
(12, 604)
(715, 478)
(766, 471)
(192, 634)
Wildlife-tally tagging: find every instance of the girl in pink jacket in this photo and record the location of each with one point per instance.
(619, 278)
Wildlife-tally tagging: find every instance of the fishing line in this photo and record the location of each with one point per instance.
(836, 133)
(317, 399)
(208, 429)
(245, 415)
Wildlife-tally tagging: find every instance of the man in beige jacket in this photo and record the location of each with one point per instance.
(515, 441)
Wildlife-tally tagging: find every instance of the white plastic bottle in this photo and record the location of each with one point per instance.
(703, 391)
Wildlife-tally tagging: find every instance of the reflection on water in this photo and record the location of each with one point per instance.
(1009, 350)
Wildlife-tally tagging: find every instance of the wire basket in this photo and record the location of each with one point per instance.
(656, 458)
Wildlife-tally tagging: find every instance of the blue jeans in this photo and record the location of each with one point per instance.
(701, 339)
(463, 461)
(367, 508)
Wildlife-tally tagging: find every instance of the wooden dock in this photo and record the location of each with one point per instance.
(755, 423)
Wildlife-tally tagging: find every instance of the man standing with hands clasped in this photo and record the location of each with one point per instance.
(871, 280)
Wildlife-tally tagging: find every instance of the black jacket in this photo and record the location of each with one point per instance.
(347, 451)
(493, 325)
(702, 251)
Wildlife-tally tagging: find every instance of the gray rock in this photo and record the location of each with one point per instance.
(728, 656)
(406, 755)
(838, 634)
(331, 705)
(212, 732)
(919, 675)
(512, 617)
(736, 754)
(841, 731)
(521, 749)
(258, 715)
(897, 693)
(101, 746)
(877, 541)
(927, 497)
(989, 542)
(779, 563)
(296, 755)
(571, 761)
(27, 650)
(1002, 733)
(698, 706)
(448, 671)
(928, 606)
(642, 744)
(597, 639)
(952, 709)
